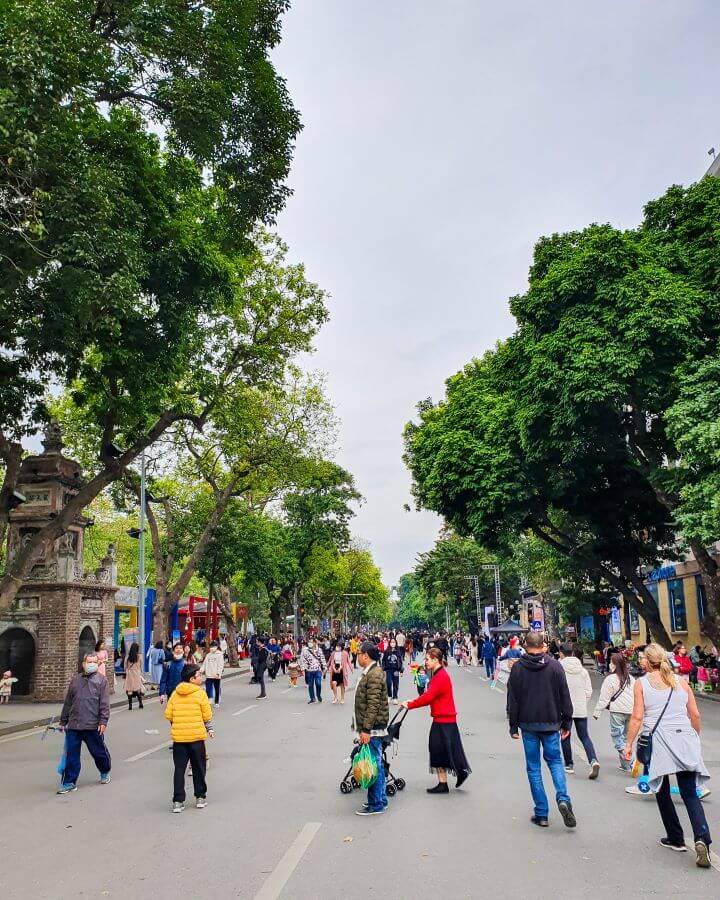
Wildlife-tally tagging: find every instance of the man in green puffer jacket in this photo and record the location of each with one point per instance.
(372, 713)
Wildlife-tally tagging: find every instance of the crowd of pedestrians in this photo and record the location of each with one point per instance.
(649, 702)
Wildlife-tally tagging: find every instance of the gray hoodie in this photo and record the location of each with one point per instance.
(87, 702)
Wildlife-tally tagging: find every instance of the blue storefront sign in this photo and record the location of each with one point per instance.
(661, 574)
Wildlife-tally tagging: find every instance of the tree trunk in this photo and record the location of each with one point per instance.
(161, 613)
(11, 454)
(225, 608)
(710, 575)
(550, 615)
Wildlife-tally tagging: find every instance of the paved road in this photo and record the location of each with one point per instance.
(276, 824)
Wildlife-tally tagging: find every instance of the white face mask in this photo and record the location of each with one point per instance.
(90, 668)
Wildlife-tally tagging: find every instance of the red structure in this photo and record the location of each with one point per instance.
(193, 618)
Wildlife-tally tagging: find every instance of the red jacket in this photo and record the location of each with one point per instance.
(684, 664)
(439, 697)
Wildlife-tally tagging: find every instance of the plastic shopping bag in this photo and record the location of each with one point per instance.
(365, 769)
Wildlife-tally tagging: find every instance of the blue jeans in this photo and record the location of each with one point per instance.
(550, 743)
(95, 743)
(314, 682)
(377, 798)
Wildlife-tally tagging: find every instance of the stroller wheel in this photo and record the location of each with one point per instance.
(353, 783)
(345, 787)
(400, 784)
(391, 790)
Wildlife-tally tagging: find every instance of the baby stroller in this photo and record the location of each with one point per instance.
(392, 784)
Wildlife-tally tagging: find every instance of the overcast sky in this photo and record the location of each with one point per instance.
(440, 140)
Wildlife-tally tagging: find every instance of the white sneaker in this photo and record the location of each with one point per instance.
(178, 807)
(334, 700)
(395, 702)
(200, 803)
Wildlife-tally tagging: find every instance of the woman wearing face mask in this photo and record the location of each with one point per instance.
(616, 696)
(446, 750)
(172, 674)
(339, 672)
(392, 663)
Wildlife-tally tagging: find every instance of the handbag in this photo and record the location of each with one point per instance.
(617, 694)
(643, 750)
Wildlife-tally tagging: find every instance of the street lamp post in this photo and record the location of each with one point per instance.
(141, 565)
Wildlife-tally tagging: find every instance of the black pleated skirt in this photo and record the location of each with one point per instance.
(446, 749)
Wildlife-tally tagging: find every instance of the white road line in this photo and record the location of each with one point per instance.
(38, 730)
(283, 870)
(148, 752)
(245, 709)
(287, 690)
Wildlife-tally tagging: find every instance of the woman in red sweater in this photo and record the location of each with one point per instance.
(446, 749)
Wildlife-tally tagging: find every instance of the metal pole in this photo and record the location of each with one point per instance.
(296, 630)
(141, 565)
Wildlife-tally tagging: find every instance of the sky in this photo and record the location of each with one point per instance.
(440, 141)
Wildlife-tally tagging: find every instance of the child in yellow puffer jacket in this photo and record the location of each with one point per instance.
(190, 715)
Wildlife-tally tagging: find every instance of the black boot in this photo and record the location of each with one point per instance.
(440, 788)
(129, 702)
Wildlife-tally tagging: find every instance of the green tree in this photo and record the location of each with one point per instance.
(120, 255)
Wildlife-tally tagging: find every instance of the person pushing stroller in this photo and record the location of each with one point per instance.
(372, 713)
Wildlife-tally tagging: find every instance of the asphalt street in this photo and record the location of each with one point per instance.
(276, 824)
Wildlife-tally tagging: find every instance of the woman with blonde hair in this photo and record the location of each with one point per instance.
(665, 708)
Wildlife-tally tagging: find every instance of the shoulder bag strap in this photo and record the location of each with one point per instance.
(667, 703)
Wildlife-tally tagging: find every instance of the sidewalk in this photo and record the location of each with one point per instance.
(713, 698)
(20, 716)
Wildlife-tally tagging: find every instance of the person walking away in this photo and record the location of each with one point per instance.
(392, 665)
(540, 710)
(513, 652)
(212, 668)
(312, 664)
(354, 645)
(134, 686)
(444, 742)
(616, 696)
(102, 656)
(372, 714)
(172, 673)
(400, 641)
(84, 716)
(156, 661)
(339, 672)
(261, 664)
(665, 707)
(580, 687)
(489, 655)
(190, 716)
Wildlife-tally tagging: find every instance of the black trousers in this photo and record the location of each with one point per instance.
(260, 677)
(193, 753)
(668, 814)
(392, 679)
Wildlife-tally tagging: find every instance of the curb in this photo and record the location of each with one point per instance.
(114, 704)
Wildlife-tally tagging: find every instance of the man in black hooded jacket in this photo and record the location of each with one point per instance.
(539, 707)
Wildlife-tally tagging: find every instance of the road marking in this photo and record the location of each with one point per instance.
(283, 870)
(35, 729)
(245, 709)
(287, 690)
(148, 752)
